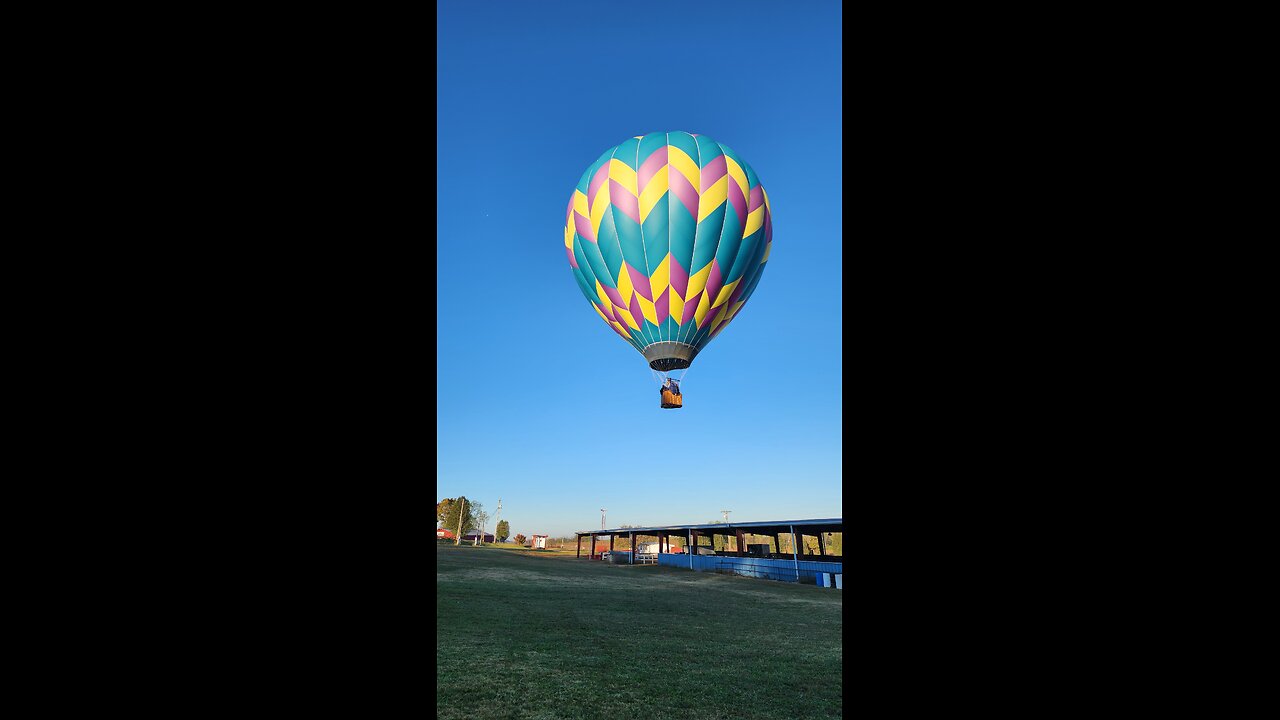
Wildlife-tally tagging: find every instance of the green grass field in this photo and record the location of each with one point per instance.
(533, 635)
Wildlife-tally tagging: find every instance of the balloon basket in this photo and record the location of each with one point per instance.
(671, 401)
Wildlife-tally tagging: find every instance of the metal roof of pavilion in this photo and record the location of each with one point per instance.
(717, 526)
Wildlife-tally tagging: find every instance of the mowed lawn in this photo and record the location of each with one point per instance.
(533, 635)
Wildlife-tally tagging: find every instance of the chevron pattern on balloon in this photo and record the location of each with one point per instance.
(667, 235)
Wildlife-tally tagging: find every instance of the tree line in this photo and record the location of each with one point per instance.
(473, 517)
(461, 516)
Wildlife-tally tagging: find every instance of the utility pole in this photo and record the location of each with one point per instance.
(601, 518)
(496, 514)
(458, 540)
(726, 514)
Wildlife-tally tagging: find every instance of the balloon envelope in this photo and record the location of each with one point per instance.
(667, 235)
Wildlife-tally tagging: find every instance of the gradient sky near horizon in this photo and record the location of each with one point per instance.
(538, 402)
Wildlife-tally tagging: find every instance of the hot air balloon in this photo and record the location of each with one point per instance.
(667, 235)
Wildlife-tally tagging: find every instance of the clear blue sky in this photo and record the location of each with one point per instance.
(539, 403)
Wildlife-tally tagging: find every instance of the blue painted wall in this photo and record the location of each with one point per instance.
(754, 567)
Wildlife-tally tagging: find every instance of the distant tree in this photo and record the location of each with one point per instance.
(520, 539)
(442, 511)
(835, 543)
(503, 531)
(482, 518)
(460, 505)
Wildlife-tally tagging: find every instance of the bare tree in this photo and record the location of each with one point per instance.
(481, 517)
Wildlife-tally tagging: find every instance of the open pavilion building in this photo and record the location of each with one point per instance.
(755, 549)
